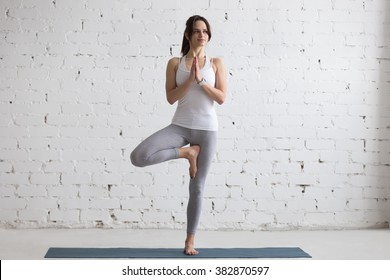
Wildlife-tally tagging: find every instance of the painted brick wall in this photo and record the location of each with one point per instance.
(304, 134)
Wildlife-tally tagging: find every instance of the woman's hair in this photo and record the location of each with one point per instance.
(185, 46)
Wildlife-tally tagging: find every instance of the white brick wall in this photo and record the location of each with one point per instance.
(304, 136)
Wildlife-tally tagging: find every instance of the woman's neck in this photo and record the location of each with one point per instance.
(196, 53)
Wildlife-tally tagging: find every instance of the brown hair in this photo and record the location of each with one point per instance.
(185, 46)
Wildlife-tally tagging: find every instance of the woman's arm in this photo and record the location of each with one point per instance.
(174, 92)
(217, 93)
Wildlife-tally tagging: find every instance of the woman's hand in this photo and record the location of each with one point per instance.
(198, 74)
(195, 71)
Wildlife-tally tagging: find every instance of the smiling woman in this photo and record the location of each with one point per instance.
(195, 25)
(195, 81)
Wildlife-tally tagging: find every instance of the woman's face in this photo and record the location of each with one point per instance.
(199, 37)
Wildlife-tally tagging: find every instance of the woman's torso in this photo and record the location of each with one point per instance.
(196, 110)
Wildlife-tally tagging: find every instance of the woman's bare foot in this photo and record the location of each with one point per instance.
(189, 245)
(191, 153)
(193, 157)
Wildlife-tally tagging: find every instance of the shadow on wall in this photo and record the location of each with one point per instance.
(383, 141)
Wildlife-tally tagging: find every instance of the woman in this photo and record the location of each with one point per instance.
(195, 81)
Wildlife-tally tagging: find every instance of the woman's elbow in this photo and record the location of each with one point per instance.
(171, 101)
(221, 99)
(220, 102)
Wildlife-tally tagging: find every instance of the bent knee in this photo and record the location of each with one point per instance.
(137, 159)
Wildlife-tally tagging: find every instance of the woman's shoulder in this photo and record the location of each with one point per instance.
(218, 63)
(173, 62)
(218, 60)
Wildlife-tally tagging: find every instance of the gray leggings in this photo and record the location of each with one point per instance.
(164, 145)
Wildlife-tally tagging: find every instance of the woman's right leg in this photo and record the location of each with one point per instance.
(161, 146)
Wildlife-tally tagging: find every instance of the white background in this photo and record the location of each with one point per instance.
(304, 133)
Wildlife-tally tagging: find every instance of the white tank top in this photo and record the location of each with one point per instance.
(196, 110)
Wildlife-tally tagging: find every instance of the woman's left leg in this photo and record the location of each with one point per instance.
(207, 140)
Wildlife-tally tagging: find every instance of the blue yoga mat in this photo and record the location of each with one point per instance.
(175, 253)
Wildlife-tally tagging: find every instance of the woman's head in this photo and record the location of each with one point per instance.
(197, 29)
